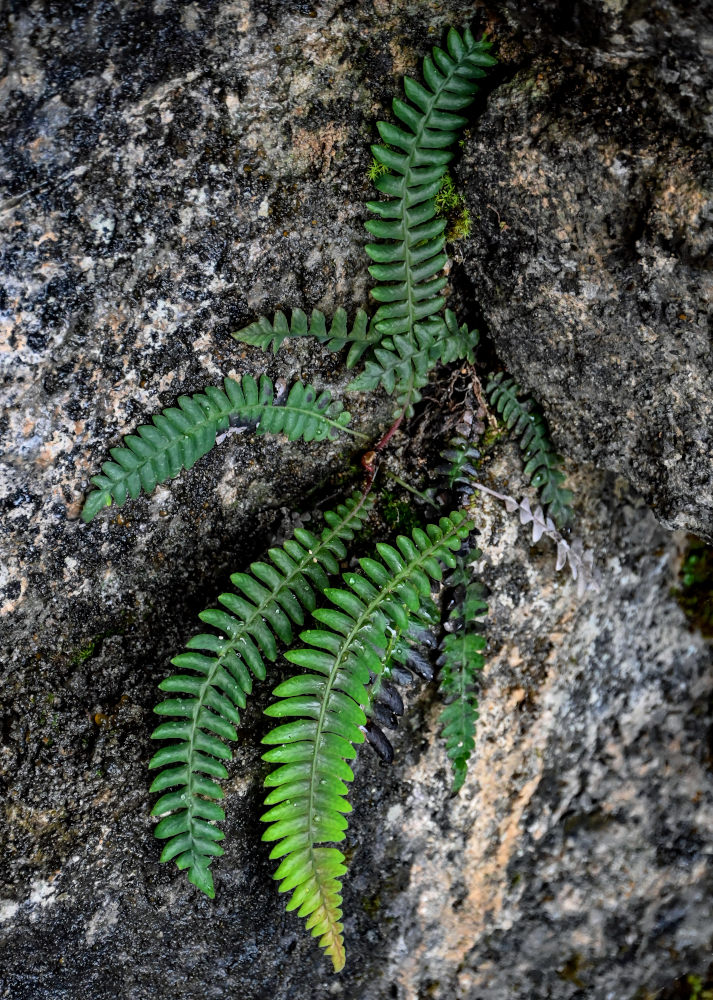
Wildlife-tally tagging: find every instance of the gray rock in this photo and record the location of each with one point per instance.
(169, 172)
(590, 177)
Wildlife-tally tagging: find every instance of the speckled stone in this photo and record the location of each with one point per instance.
(591, 178)
(169, 171)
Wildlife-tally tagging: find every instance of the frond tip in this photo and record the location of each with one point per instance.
(309, 786)
(180, 435)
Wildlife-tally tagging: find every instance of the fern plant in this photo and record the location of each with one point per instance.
(366, 629)
(409, 254)
(180, 435)
(309, 791)
(271, 335)
(461, 658)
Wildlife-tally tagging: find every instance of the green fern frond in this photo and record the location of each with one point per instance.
(410, 252)
(179, 436)
(460, 470)
(267, 602)
(542, 463)
(266, 335)
(308, 797)
(401, 365)
(457, 343)
(461, 656)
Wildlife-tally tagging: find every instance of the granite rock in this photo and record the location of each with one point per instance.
(169, 171)
(590, 174)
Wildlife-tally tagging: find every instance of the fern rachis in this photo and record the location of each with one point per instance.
(329, 707)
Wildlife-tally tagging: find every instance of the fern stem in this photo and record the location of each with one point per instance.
(412, 489)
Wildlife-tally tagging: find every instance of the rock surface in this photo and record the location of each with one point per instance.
(591, 175)
(169, 172)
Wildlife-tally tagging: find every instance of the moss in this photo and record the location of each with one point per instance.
(693, 986)
(376, 170)
(399, 515)
(451, 205)
(695, 591)
(85, 653)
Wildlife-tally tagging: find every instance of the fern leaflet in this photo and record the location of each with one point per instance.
(268, 600)
(461, 656)
(457, 343)
(308, 797)
(409, 254)
(542, 463)
(266, 335)
(179, 436)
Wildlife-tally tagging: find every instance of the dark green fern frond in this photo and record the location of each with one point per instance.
(542, 463)
(457, 343)
(266, 335)
(410, 252)
(179, 436)
(459, 470)
(402, 659)
(215, 679)
(308, 798)
(461, 657)
(401, 365)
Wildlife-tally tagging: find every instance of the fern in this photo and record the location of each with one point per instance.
(266, 335)
(542, 463)
(179, 436)
(308, 797)
(260, 613)
(409, 254)
(461, 656)
(402, 365)
(402, 659)
(457, 343)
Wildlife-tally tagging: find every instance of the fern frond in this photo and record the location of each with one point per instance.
(308, 797)
(542, 463)
(410, 254)
(402, 659)
(215, 679)
(401, 365)
(457, 343)
(461, 656)
(179, 436)
(266, 335)
(459, 470)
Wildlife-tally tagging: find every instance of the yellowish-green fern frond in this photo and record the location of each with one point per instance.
(309, 786)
